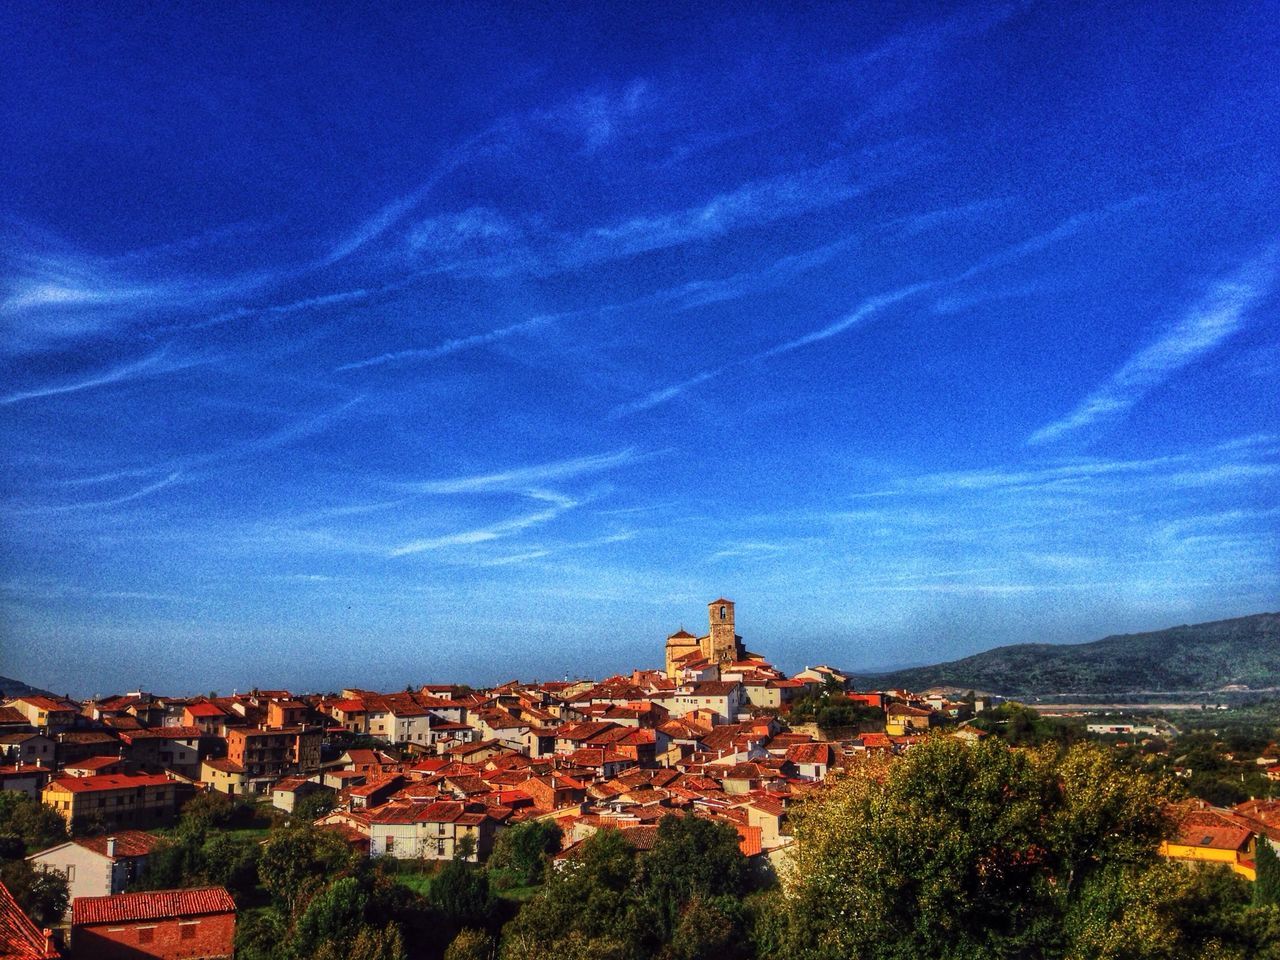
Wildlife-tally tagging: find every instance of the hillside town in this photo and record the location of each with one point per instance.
(437, 773)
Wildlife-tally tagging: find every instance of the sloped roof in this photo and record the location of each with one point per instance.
(151, 905)
(20, 938)
(129, 843)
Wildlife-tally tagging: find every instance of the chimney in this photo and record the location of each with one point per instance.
(111, 847)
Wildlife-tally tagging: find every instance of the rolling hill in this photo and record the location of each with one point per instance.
(1205, 656)
(16, 688)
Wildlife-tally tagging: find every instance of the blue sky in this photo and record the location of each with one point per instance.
(479, 341)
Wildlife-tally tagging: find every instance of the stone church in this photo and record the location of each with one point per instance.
(721, 645)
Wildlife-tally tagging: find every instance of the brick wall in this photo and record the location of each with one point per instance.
(211, 936)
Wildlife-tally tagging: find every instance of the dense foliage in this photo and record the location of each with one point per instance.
(521, 852)
(34, 825)
(969, 853)
(680, 900)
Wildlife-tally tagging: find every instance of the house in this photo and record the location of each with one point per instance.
(95, 766)
(28, 778)
(823, 675)
(226, 776)
(165, 924)
(811, 760)
(76, 745)
(20, 938)
(901, 720)
(432, 831)
(46, 713)
(1207, 835)
(721, 699)
(34, 748)
(286, 713)
(98, 866)
(554, 791)
(206, 716)
(165, 748)
(267, 755)
(114, 800)
(369, 795)
(287, 792)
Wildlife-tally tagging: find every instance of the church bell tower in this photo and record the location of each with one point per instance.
(722, 641)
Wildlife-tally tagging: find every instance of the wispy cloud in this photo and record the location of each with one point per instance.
(1063, 230)
(867, 309)
(872, 306)
(189, 469)
(155, 365)
(479, 535)
(759, 202)
(448, 347)
(664, 395)
(526, 479)
(596, 116)
(144, 491)
(1221, 313)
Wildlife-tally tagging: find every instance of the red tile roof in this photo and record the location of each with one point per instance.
(45, 703)
(205, 710)
(129, 843)
(110, 781)
(152, 905)
(20, 939)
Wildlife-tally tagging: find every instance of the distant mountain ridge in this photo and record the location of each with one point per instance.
(1243, 651)
(10, 689)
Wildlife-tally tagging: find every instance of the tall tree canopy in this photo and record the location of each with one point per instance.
(962, 851)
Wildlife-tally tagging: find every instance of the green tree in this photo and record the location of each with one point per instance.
(1266, 889)
(260, 935)
(708, 929)
(314, 805)
(296, 861)
(460, 894)
(207, 811)
(693, 858)
(1159, 911)
(961, 852)
(231, 862)
(521, 852)
(333, 916)
(43, 895)
(590, 904)
(470, 944)
(39, 827)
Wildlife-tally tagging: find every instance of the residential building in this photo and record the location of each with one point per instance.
(1207, 835)
(114, 800)
(267, 755)
(164, 924)
(431, 831)
(226, 776)
(47, 713)
(27, 778)
(33, 748)
(98, 866)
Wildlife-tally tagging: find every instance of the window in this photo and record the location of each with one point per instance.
(722, 613)
(146, 934)
(187, 931)
(391, 844)
(70, 873)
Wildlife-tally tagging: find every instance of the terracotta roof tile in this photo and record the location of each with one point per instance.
(152, 905)
(20, 939)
